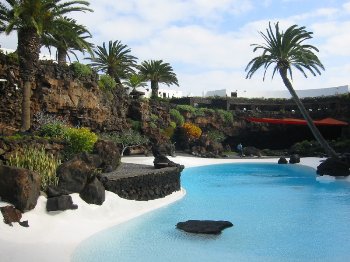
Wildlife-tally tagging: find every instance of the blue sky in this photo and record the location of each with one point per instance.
(208, 42)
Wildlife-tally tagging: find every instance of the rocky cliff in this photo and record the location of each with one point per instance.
(58, 91)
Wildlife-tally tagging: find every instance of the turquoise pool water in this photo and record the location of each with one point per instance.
(279, 212)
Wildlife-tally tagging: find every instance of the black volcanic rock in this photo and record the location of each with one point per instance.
(204, 226)
(282, 160)
(335, 166)
(294, 159)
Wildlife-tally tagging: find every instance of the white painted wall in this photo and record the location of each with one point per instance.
(330, 91)
(162, 92)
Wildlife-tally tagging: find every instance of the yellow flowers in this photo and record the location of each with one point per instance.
(192, 130)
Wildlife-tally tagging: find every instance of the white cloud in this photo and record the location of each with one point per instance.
(205, 56)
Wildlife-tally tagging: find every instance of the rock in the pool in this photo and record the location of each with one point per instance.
(204, 226)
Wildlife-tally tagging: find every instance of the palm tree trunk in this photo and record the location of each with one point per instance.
(154, 88)
(61, 56)
(318, 136)
(28, 54)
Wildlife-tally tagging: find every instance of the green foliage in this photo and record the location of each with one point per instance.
(79, 140)
(12, 58)
(169, 131)
(154, 118)
(226, 116)
(342, 145)
(39, 161)
(56, 130)
(14, 137)
(135, 125)
(106, 82)
(216, 136)
(153, 125)
(306, 148)
(114, 59)
(42, 119)
(186, 108)
(200, 112)
(177, 117)
(127, 139)
(172, 124)
(81, 70)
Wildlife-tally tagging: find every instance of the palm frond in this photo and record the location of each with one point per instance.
(286, 49)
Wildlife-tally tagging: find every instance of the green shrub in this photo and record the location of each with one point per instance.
(106, 82)
(169, 131)
(226, 116)
(135, 125)
(12, 58)
(81, 70)
(341, 145)
(306, 148)
(200, 112)
(172, 124)
(154, 118)
(41, 119)
(177, 117)
(128, 139)
(186, 108)
(216, 136)
(56, 130)
(39, 161)
(79, 140)
(153, 125)
(14, 137)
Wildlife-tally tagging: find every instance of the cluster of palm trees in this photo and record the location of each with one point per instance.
(44, 23)
(116, 60)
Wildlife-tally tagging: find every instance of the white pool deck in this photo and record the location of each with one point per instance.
(54, 236)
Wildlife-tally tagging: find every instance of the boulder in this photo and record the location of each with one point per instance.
(294, 159)
(74, 174)
(20, 187)
(60, 203)
(93, 193)
(282, 160)
(251, 151)
(334, 167)
(109, 154)
(11, 214)
(54, 191)
(204, 226)
(160, 160)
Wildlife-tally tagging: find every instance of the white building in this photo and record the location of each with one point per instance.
(163, 93)
(330, 91)
(7, 51)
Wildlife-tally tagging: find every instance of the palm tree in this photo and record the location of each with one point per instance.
(32, 19)
(135, 81)
(157, 72)
(69, 37)
(284, 50)
(114, 60)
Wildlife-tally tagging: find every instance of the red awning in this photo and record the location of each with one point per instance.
(294, 121)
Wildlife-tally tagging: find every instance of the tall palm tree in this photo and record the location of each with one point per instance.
(285, 50)
(115, 60)
(157, 72)
(69, 37)
(31, 19)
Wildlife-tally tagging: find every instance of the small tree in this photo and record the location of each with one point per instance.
(128, 139)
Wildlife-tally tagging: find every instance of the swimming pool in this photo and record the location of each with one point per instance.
(279, 212)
